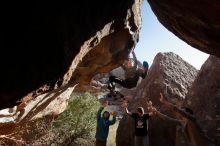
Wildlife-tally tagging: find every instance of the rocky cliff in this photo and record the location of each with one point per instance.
(55, 46)
(49, 45)
(170, 75)
(194, 21)
(204, 97)
(44, 42)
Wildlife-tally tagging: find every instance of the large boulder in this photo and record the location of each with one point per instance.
(49, 45)
(194, 21)
(204, 97)
(170, 75)
(54, 47)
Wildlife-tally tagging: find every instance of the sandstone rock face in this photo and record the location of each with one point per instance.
(48, 105)
(204, 97)
(196, 22)
(23, 121)
(170, 75)
(49, 45)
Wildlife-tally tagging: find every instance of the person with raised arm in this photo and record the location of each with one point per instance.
(142, 119)
(190, 126)
(103, 124)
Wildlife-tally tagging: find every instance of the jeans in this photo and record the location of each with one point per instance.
(141, 140)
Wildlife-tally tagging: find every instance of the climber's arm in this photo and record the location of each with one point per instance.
(135, 59)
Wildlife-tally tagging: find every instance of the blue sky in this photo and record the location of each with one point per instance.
(154, 38)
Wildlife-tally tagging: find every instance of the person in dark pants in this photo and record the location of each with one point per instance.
(132, 74)
(103, 124)
(141, 126)
(141, 122)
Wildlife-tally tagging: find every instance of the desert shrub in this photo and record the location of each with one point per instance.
(76, 124)
(79, 119)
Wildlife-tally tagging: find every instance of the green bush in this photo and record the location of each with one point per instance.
(75, 126)
(79, 119)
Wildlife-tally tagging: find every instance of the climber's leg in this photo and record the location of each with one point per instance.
(130, 82)
(111, 86)
(114, 79)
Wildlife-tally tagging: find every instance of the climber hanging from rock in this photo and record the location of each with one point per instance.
(132, 74)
